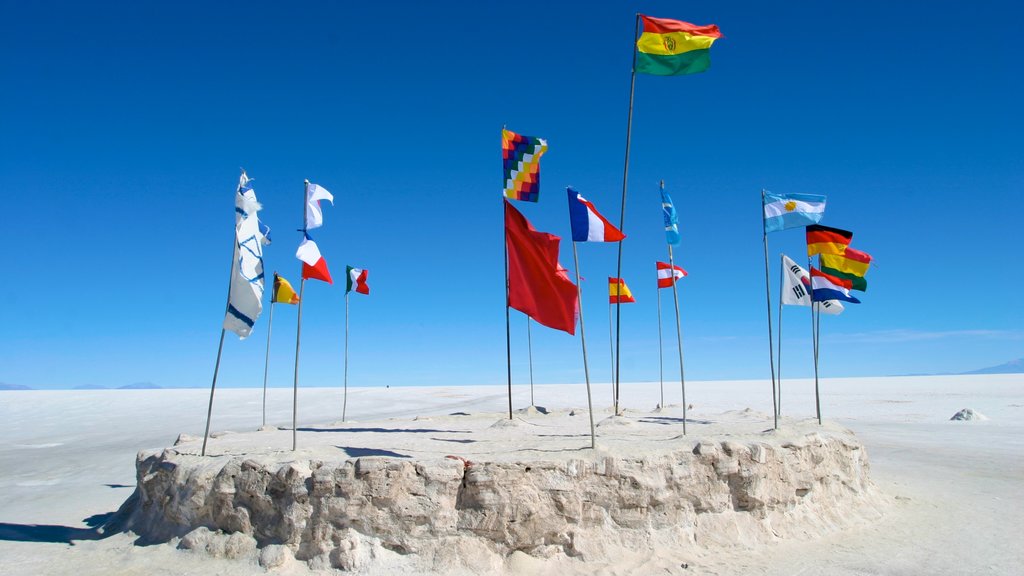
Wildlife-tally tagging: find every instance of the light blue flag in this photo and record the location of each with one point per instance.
(671, 220)
(782, 211)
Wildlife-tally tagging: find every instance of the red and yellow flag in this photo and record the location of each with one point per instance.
(618, 292)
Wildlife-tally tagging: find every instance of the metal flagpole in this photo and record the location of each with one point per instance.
(298, 330)
(266, 361)
(661, 362)
(814, 340)
(529, 351)
(679, 332)
(344, 402)
(817, 355)
(778, 365)
(508, 332)
(583, 341)
(768, 309)
(622, 214)
(611, 352)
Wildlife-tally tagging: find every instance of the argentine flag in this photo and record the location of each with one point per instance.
(782, 211)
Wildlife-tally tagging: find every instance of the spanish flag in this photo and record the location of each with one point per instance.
(283, 291)
(618, 292)
(826, 240)
(673, 47)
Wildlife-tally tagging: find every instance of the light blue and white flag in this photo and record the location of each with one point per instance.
(245, 298)
(782, 211)
(671, 220)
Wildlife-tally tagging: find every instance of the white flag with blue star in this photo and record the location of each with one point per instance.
(245, 299)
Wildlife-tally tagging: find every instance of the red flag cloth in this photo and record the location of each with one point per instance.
(537, 284)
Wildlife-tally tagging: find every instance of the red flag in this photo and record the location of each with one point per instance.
(537, 284)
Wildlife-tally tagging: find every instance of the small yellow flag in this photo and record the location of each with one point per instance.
(283, 291)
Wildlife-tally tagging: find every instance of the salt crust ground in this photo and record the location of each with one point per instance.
(956, 506)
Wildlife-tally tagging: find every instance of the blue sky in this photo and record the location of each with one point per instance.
(124, 125)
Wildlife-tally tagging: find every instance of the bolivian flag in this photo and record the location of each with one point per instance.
(673, 47)
(851, 265)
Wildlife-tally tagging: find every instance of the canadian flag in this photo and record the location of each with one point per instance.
(667, 274)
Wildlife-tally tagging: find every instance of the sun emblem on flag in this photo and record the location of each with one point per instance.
(790, 206)
(670, 44)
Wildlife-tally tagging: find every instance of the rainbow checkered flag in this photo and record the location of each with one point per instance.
(521, 165)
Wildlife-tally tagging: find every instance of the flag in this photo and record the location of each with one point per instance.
(538, 286)
(587, 224)
(833, 307)
(283, 291)
(313, 264)
(314, 215)
(825, 240)
(796, 284)
(356, 277)
(673, 47)
(521, 165)
(782, 211)
(668, 274)
(851, 265)
(245, 295)
(827, 287)
(668, 210)
(618, 292)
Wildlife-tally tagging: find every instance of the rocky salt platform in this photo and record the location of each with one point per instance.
(465, 493)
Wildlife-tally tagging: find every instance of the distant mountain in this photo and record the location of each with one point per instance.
(140, 386)
(14, 387)
(1011, 367)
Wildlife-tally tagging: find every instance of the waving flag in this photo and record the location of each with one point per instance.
(673, 47)
(283, 291)
(587, 223)
(833, 307)
(245, 296)
(668, 274)
(618, 292)
(313, 264)
(538, 286)
(356, 277)
(851, 265)
(314, 215)
(825, 240)
(668, 210)
(782, 211)
(521, 165)
(825, 287)
(796, 284)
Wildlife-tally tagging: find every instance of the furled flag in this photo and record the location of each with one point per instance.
(245, 296)
(356, 277)
(313, 264)
(314, 194)
(833, 307)
(825, 240)
(782, 211)
(673, 47)
(826, 287)
(668, 210)
(618, 292)
(851, 265)
(538, 286)
(587, 223)
(668, 274)
(521, 165)
(283, 291)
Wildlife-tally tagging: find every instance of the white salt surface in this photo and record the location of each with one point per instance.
(956, 488)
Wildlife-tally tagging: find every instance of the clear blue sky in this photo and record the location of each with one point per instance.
(123, 125)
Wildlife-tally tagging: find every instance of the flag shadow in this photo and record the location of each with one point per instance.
(354, 452)
(58, 534)
(666, 420)
(387, 430)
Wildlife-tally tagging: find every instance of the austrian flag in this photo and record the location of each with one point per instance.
(668, 274)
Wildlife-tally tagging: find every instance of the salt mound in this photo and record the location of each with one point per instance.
(969, 414)
(507, 423)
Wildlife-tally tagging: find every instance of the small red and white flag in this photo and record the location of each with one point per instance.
(668, 274)
(313, 264)
(357, 281)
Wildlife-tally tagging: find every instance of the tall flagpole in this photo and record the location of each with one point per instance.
(622, 213)
(661, 361)
(508, 331)
(611, 353)
(814, 340)
(817, 354)
(768, 309)
(298, 331)
(583, 341)
(679, 332)
(220, 347)
(778, 365)
(266, 361)
(344, 402)
(529, 351)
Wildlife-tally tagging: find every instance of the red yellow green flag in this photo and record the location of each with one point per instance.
(673, 47)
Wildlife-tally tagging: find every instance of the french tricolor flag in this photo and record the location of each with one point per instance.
(587, 224)
(313, 264)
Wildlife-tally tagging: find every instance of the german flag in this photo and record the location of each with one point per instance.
(826, 240)
(673, 47)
